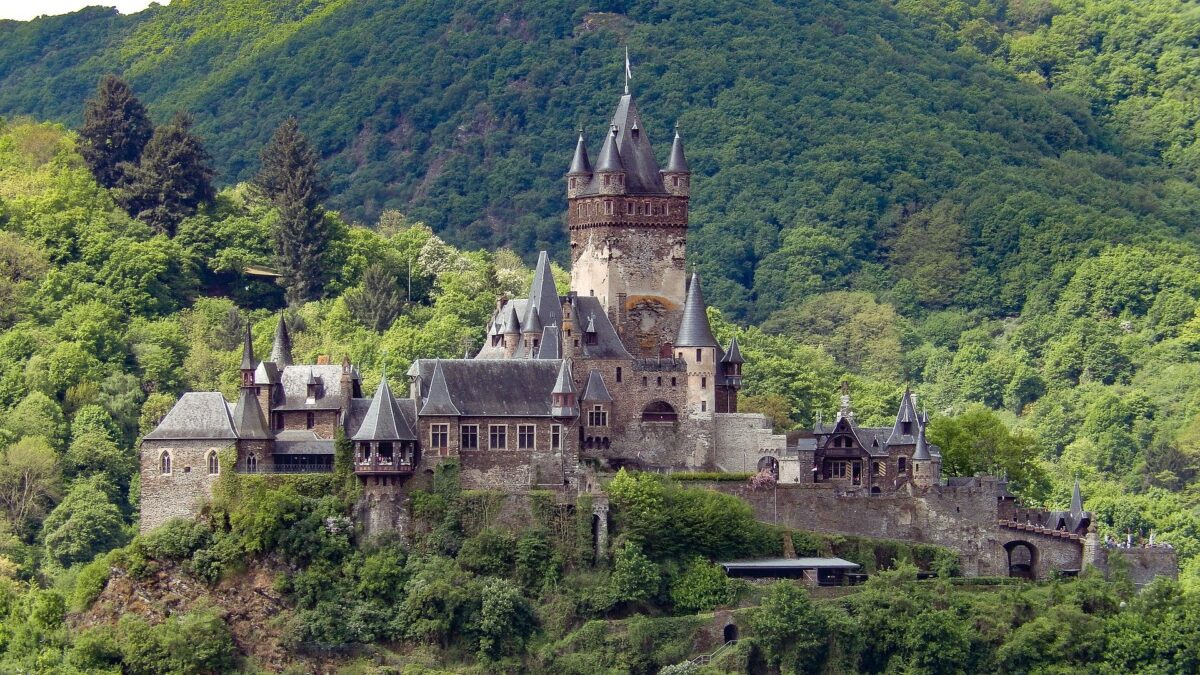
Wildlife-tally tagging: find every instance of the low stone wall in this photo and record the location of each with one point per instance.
(1142, 564)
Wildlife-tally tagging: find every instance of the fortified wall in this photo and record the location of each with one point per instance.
(962, 518)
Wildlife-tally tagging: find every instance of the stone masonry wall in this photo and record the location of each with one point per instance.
(180, 493)
(963, 519)
(742, 439)
(1143, 564)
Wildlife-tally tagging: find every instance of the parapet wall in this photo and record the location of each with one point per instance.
(1143, 564)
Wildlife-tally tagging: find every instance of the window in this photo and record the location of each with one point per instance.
(312, 420)
(468, 435)
(598, 417)
(278, 420)
(674, 181)
(525, 436)
(214, 464)
(608, 208)
(699, 356)
(906, 428)
(629, 208)
(880, 469)
(165, 462)
(704, 383)
(660, 380)
(556, 437)
(618, 373)
(497, 437)
(439, 436)
(837, 469)
(645, 381)
(703, 406)
(252, 463)
(902, 464)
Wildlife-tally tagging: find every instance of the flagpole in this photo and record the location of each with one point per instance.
(628, 72)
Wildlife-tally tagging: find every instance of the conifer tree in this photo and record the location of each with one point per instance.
(290, 178)
(173, 178)
(115, 130)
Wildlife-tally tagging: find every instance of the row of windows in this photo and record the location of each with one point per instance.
(608, 208)
(214, 464)
(498, 436)
(310, 421)
(646, 381)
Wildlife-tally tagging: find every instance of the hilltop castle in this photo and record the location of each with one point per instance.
(621, 371)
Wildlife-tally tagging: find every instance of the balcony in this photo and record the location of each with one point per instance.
(376, 465)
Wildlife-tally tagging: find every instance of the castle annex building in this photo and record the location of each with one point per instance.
(621, 371)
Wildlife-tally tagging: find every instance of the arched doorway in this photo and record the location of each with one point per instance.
(769, 463)
(659, 411)
(1022, 559)
(731, 632)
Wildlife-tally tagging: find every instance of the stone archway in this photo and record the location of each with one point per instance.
(769, 463)
(1022, 559)
(730, 633)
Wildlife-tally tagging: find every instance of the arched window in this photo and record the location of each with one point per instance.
(165, 462)
(214, 464)
(252, 463)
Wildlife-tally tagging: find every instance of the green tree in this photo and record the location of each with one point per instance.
(702, 586)
(115, 130)
(84, 524)
(505, 619)
(978, 442)
(290, 178)
(173, 178)
(30, 481)
(790, 629)
(376, 302)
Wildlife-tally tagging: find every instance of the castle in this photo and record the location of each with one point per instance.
(621, 371)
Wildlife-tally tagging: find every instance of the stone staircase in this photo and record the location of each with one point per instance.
(705, 659)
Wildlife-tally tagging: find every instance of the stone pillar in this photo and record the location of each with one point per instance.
(600, 521)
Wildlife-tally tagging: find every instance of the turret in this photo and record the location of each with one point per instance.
(385, 442)
(281, 349)
(579, 175)
(677, 177)
(248, 362)
(563, 399)
(696, 345)
(924, 468)
(610, 170)
(731, 378)
(511, 328)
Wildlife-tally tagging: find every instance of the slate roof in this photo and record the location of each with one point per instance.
(579, 163)
(631, 149)
(248, 418)
(790, 564)
(677, 163)
(437, 400)
(493, 387)
(595, 391)
(384, 420)
(197, 415)
(564, 383)
(550, 345)
(609, 160)
(921, 453)
(295, 387)
(281, 349)
(906, 414)
(301, 442)
(544, 295)
(248, 362)
(734, 355)
(266, 373)
(588, 312)
(694, 329)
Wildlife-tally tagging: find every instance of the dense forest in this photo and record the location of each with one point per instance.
(992, 202)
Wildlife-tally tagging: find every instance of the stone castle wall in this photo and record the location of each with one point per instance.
(1142, 564)
(180, 493)
(742, 439)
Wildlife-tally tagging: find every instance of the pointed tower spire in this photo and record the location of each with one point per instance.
(609, 160)
(281, 350)
(439, 402)
(1076, 500)
(734, 353)
(921, 452)
(384, 421)
(580, 165)
(694, 329)
(907, 421)
(677, 163)
(248, 362)
(543, 295)
(563, 396)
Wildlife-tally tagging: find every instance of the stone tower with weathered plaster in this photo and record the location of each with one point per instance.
(628, 222)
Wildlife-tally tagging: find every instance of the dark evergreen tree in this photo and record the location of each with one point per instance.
(377, 302)
(173, 178)
(115, 130)
(290, 178)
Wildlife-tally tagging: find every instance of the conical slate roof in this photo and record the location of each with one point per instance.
(550, 346)
(921, 453)
(248, 362)
(384, 421)
(594, 390)
(677, 163)
(438, 402)
(248, 419)
(906, 414)
(609, 160)
(281, 350)
(564, 383)
(1076, 501)
(641, 169)
(579, 163)
(512, 323)
(733, 354)
(543, 295)
(532, 323)
(694, 329)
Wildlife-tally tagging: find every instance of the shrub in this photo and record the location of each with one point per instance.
(90, 583)
(702, 586)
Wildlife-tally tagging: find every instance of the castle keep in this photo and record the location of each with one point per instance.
(623, 370)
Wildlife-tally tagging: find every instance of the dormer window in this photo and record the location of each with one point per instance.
(589, 338)
(906, 428)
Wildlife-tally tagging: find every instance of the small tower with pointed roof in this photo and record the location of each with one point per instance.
(731, 378)
(563, 399)
(579, 175)
(926, 468)
(281, 348)
(677, 177)
(249, 365)
(696, 346)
